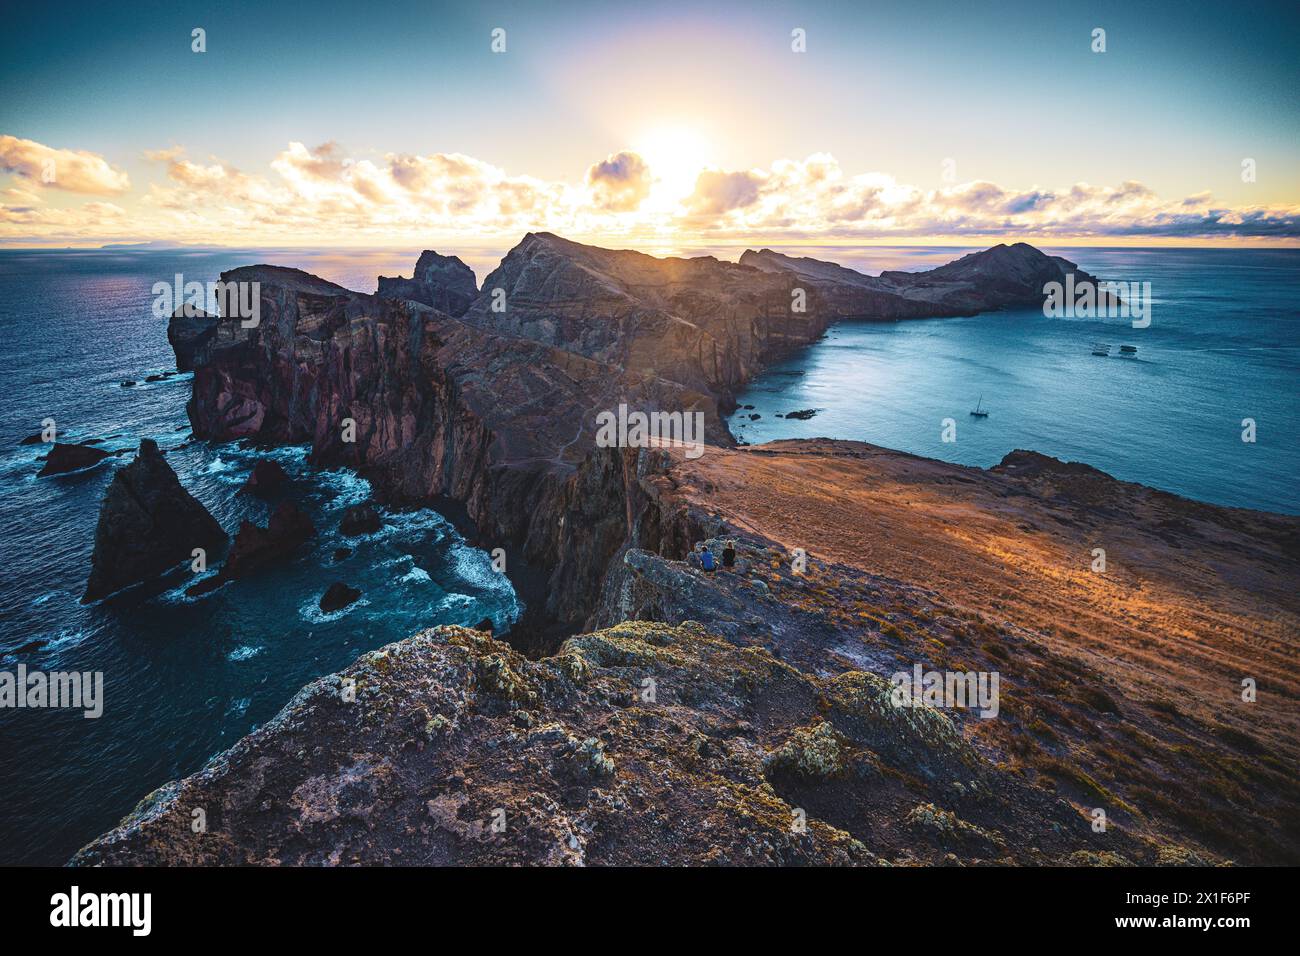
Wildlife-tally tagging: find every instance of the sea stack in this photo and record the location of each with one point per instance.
(147, 523)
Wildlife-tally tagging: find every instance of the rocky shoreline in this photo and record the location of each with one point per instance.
(767, 736)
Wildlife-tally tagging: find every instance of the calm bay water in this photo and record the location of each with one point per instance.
(1223, 346)
(183, 678)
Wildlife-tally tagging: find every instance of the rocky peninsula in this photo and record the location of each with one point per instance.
(648, 711)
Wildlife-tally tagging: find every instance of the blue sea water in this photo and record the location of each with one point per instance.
(1223, 346)
(183, 678)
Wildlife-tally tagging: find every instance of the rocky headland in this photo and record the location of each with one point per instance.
(651, 712)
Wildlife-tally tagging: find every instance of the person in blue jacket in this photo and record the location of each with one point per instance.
(706, 559)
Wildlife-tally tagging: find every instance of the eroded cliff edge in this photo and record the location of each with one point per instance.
(766, 681)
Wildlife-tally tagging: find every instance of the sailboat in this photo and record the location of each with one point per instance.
(976, 410)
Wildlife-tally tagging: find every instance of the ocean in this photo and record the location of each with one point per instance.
(1223, 346)
(185, 678)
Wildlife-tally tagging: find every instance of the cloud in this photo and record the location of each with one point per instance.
(620, 182)
(74, 170)
(717, 192)
(322, 194)
(815, 198)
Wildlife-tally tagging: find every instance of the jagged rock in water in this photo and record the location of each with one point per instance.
(360, 519)
(255, 548)
(148, 523)
(65, 458)
(338, 596)
(442, 282)
(267, 479)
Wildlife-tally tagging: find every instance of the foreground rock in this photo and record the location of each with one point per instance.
(449, 728)
(338, 596)
(148, 524)
(1111, 680)
(442, 282)
(65, 458)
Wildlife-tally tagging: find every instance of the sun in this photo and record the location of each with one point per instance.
(676, 155)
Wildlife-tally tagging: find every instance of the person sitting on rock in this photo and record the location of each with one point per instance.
(729, 554)
(706, 559)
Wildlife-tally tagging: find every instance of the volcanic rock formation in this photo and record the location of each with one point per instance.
(148, 523)
(701, 715)
(442, 282)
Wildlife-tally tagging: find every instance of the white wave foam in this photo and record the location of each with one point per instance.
(312, 613)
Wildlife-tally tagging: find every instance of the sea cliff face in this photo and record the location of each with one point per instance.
(742, 715)
(429, 407)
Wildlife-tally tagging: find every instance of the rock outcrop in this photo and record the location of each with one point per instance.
(255, 548)
(360, 519)
(717, 766)
(267, 479)
(63, 458)
(338, 596)
(427, 406)
(188, 331)
(497, 410)
(148, 524)
(998, 278)
(442, 282)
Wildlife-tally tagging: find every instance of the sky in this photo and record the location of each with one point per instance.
(650, 124)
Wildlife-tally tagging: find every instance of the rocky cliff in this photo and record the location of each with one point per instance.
(429, 407)
(441, 282)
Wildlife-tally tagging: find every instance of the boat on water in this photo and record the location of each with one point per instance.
(1128, 350)
(1101, 348)
(977, 412)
